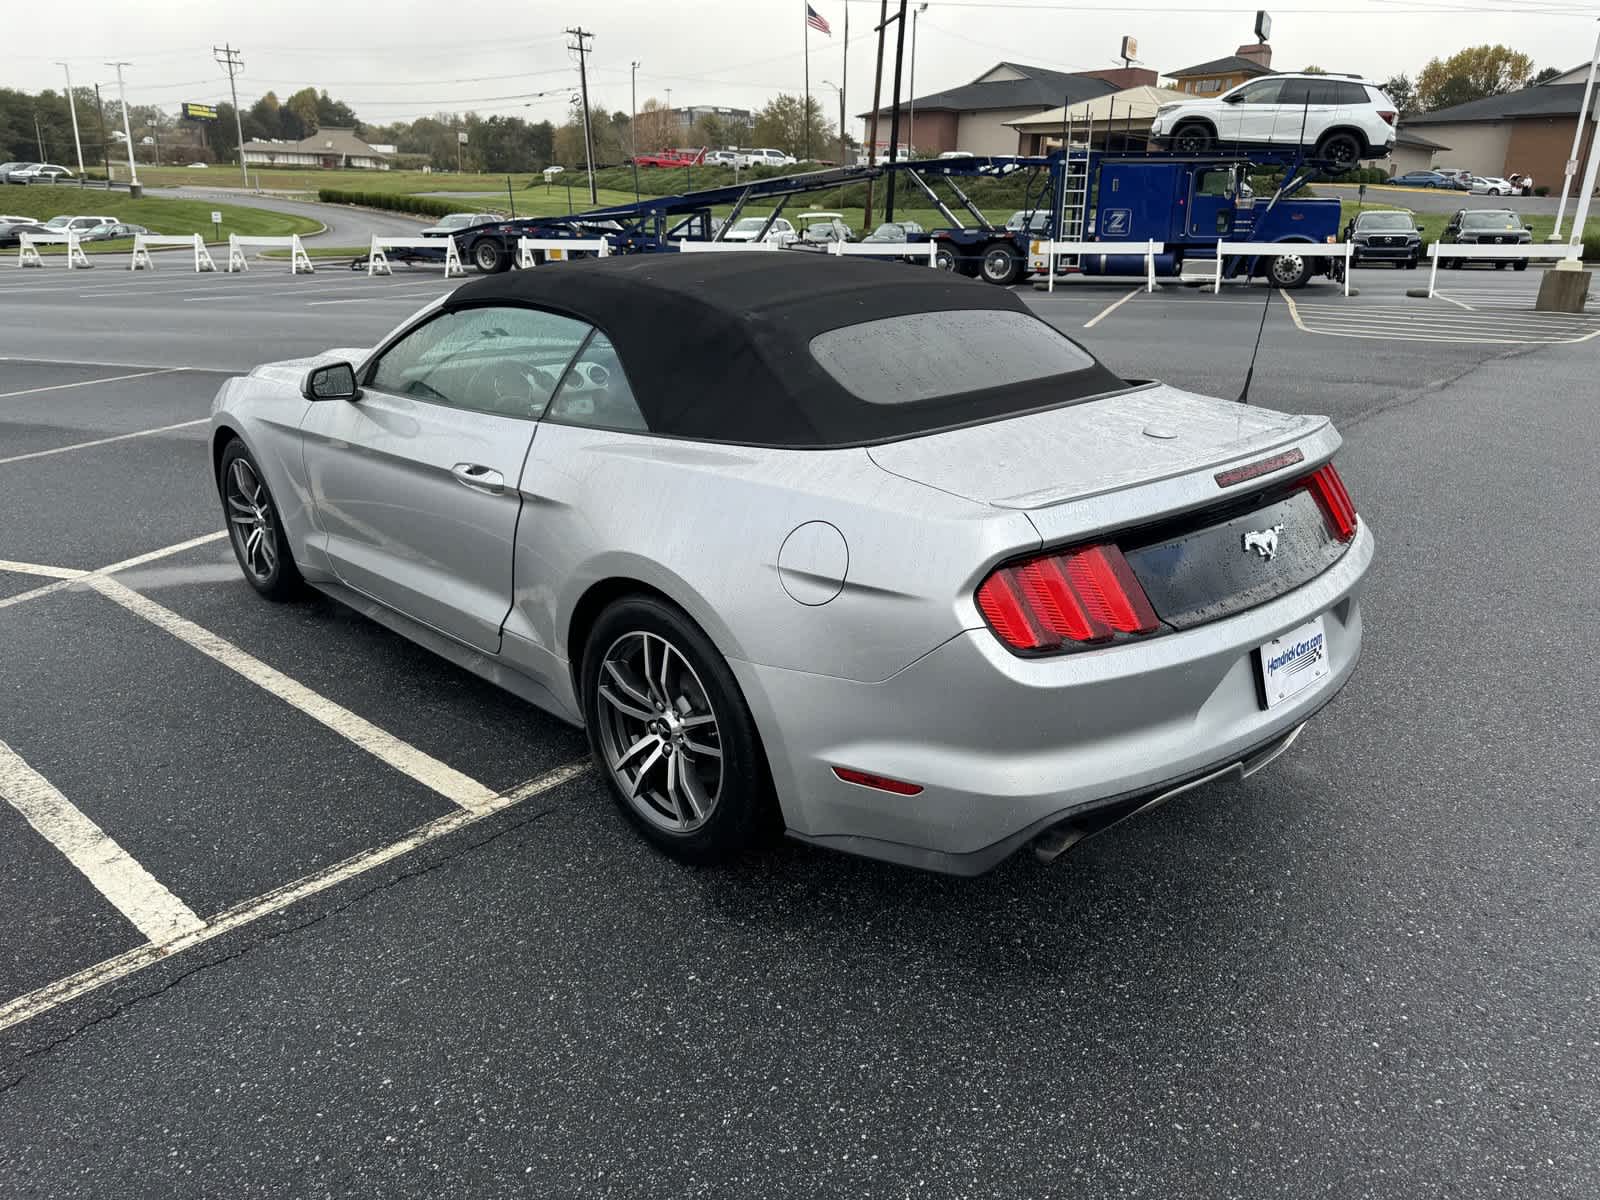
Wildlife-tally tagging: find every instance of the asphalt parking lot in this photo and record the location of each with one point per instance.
(382, 933)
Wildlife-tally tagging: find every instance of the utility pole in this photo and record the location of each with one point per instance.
(583, 38)
(72, 105)
(38, 138)
(633, 123)
(105, 148)
(127, 129)
(894, 119)
(229, 57)
(877, 97)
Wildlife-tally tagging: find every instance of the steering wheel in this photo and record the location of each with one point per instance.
(505, 385)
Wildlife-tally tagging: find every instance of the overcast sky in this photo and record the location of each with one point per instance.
(393, 60)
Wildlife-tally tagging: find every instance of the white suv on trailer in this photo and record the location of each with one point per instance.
(1339, 118)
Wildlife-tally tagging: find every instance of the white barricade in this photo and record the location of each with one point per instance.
(888, 249)
(724, 247)
(1275, 249)
(1146, 250)
(299, 260)
(557, 249)
(378, 261)
(28, 248)
(143, 241)
(1475, 250)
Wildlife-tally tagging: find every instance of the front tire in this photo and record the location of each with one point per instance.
(672, 735)
(945, 259)
(255, 530)
(1289, 271)
(1520, 265)
(1192, 139)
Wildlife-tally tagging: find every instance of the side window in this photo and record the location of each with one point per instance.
(1350, 93)
(505, 361)
(596, 392)
(1214, 181)
(1263, 91)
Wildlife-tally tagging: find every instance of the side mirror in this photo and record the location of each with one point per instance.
(1529, 228)
(1233, 99)
(334, 381)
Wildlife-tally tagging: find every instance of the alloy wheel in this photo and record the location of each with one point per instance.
(658, 732)
(250, 523)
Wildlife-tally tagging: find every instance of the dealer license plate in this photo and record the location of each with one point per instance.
(1294, 662)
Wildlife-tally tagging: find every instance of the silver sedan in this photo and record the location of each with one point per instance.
(867, 554)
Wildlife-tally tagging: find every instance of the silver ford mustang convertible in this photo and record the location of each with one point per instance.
(868, 554)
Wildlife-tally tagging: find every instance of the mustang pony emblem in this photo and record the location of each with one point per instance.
(1263, 541)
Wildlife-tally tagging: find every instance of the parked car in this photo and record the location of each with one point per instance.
(724, 158)
(454, 223)
(38, 173)
(1493, 185)
(670, 158)
(768, 158)
(935, 653)
(1520, 184)
(1483, 227)
(199, 166)
(1420, 179)
(748, 229)
(111, 230)
(17, 169)
(1342, 120)
(1456, 177)
(897, 231)
(78, 225)
(1379, 235)
(11, 230)
(820, 228)
(957, 154)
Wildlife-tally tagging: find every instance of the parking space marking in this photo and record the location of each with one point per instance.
(450, 783)
(1417, 323)
(62, 991)
(137, 560)
(26, 568)
(1110, 308)
(57, 387)
(116, 875)
(1457, 303)
(121, 437)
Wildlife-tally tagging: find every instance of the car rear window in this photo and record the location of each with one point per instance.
(923, 356)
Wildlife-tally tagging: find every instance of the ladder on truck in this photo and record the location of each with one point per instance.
(1071, 200)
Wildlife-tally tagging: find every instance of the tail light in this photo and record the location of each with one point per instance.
(1331, 495)
(1060, 599)
(1387, 115)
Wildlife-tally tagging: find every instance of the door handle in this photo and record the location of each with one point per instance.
(479, 478)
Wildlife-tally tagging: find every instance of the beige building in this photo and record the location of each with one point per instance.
(1119, 121)
(1413, 152)
(331, 146)
(1222, 74)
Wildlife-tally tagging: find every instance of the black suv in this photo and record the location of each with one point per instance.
(1380, 235)
(1487, 226)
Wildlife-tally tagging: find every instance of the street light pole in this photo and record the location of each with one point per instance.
(1577, 144)
(127, 129)
(72, 104)
(911, 133)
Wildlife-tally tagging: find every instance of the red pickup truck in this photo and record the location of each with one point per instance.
(672, 158)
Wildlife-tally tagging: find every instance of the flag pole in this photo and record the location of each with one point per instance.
(844, 82)
(805, 32)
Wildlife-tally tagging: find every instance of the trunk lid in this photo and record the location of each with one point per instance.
(1126, 440)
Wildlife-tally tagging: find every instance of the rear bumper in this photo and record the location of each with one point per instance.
(1004, 747)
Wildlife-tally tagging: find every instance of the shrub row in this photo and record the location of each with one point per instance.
(423, 206)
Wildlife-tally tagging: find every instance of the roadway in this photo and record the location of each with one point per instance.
(345, 226)
(1367, 971)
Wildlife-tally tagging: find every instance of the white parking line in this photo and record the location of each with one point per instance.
(402, 756)
(68, 576)
(137, 895)
(58, 387)
(121, 437)
(1110, 308)
(27, 568)
(53, 995)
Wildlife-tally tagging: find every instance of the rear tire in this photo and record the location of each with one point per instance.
(1193, 138)
(1342, 151)
(672, 735)
(1001, 265)
(488, 257)
(255, 529)
(945, 259)
(1520, 266)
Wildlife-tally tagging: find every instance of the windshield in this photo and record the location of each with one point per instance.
(889, 231)
(1490, 220)
(58, 222)
(1024, 220)
(1385, 220)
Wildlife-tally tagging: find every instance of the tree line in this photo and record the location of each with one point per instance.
(1474, 73)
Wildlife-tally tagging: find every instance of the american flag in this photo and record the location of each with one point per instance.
(815, 21)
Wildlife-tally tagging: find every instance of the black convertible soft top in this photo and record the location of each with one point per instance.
(717, 347)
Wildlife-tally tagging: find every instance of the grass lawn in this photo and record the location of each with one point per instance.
(309, 179)
(179, 217)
